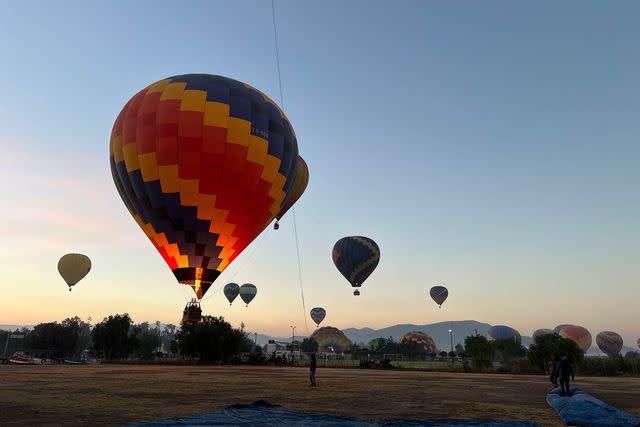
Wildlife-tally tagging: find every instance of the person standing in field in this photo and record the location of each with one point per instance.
(563, 371)
(312, 370)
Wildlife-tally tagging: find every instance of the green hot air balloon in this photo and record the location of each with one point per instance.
(73, 268)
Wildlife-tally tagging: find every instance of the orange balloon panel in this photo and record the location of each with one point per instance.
(203, 163)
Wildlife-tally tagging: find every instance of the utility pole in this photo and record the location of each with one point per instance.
(293, 334)
(451, 336)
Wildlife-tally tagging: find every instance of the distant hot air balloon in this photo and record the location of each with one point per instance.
(541, 332)
(439, 294)
(248, 292)
(231, 291)
(609, 342)
(502, 332)
(73, 268)
(638, 342)
(318, 314)
(356, 257)
(423, 341)
(329, 338)
(578, 334)
(203, 163)
(558, 328)
(299, 185)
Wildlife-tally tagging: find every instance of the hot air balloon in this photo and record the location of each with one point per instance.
(231, 291)
(73, 268)
(423, 341)
(578, 334)
(329, 338)
(558, 328)
(638, 342)
(299, 185)
(502, 332)
(318, 314)
(248, 293)
(203, 163)
(541, 332)
(609, 342)
(439, 294)
(356, 257)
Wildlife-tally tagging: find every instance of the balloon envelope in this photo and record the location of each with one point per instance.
(609, 342)
(318, 314)
(558, 328)
(299, 185)
(541, 332)
(73, 268)
(578, 334)
(356, 257)
(203, 163)
(231, 291)
(439, 294)
(329, 338)
(248, 292)
(502, 332)
(423, 341)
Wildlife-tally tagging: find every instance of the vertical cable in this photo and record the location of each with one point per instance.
(293, 209)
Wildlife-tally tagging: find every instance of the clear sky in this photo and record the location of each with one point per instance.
(488, 146)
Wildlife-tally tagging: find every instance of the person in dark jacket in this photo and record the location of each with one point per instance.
(312, 370)
(563, 371)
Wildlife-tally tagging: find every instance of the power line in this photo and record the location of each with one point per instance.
(293, 209)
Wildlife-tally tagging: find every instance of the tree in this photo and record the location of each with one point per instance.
(479, 348)
(459, 349)
(54, 339)
(113, 338)
(210, 340)
(309, 346)
(551, 346)
(507, 349)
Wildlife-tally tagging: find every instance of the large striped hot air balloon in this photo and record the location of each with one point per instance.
(203, 163)
(356, 257)
(609, 342)
(577, 334)
(439, 294)
(502, 332)
(541, 332)
(299, 186)
(332, 339)
(423, 341)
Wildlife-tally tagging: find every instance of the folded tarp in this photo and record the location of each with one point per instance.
(582, 409)
(262, 413)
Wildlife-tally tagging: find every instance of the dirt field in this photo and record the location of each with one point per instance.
(114, 394)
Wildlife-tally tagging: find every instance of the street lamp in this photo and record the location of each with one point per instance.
(293, 334)
(451, 336)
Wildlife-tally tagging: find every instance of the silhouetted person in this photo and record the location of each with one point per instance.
(563, 371)
(551, 368)
(312, 369)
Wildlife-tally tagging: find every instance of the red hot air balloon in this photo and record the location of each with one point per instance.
(203, 163)
(577, 334)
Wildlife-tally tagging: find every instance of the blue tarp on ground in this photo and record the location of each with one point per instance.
(262, 413)
(582, 409)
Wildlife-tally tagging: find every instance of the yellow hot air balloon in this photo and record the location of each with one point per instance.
(73, 268)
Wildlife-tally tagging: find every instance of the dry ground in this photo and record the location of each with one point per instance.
(113, 394)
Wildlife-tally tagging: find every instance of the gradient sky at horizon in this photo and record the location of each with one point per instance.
(488, 146)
